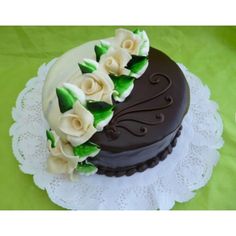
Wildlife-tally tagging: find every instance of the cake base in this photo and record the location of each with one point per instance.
(130, 170)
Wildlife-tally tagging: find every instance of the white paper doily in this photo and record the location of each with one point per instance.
(186, 169)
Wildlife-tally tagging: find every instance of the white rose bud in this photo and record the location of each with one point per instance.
(96, 86)
(77, 124)
(115, 61)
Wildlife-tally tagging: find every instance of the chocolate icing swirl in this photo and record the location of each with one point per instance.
(118, 120)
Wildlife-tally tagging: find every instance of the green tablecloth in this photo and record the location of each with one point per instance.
(209, 52)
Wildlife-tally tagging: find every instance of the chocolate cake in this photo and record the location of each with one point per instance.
(142, 128)
(145, 127)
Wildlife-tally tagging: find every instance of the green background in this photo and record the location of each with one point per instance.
(209, 52)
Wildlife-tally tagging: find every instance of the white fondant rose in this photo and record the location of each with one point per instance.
(135, 43)
(96, 86)
(61, 159)
(61, 165)
(77, 124)
(115, 61)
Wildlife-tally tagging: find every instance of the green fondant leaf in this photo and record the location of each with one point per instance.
(73, 95)
(85, 69)
(86, 149)
(136, 31)
(100, 110)
(122, 82)
(98, 106)
(86, 168)
(136, 63)
(75, 92)
(100, 116)
(88, 66)
(100, 50)
(51, 138)
(65, 99)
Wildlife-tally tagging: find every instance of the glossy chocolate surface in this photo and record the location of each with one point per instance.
(152, 113)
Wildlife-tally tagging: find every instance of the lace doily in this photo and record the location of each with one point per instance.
(186, 169)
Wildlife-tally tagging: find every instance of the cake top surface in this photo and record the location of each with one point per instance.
(154, 109)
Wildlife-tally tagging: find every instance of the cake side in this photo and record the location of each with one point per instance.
(132, 157)
(144, 163)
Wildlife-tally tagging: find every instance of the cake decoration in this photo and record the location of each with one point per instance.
(88, 66)
(61, 159)
(67, 95)
(85, 150)
(137, 65)
(77, 124)
(101, 49)
(86, 168)
(102, 113)
(120, 117)
(96, 86)
(85, 100)
(115, 61)
(124, 84)
(136, 42)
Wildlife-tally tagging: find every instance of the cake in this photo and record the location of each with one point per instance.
(114, 107)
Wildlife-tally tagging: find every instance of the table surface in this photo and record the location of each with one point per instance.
(208, 52)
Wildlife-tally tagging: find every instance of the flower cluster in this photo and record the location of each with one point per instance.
(86, 100)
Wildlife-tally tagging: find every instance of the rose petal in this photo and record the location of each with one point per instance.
(75, 141)
(67, 151)
(60, 165)
(103, 89)
(66, 124)
(85, 116)
(120, 56)
(124, 37)
(121, 35)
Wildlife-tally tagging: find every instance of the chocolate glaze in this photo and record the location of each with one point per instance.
(140, 167)
(150, 117)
